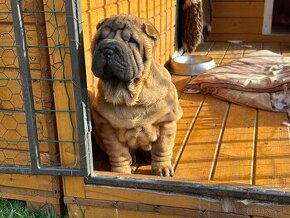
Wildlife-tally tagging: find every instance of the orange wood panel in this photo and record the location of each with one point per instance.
(110, 10)
(285, 48)
(151, 8)
(222, 37)
(218, 51)
(196, 160)
(272, 151)
(233, 52)
(237, 0)
(38, 182)
(134, 7)
(79, 211)
(204, 48)
(180, 82)
(234, 159)
(191, 105)
(249, 9)
(237, 25)
(140, 196)
(274, 47)
(143, 10)
(253, 47)
(123, 7)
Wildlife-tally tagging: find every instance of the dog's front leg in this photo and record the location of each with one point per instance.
(120, 159)
(162, 150)
(119, 154)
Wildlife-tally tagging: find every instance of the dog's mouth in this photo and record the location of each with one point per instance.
(113, 69)
(115, 75)
(108, 73)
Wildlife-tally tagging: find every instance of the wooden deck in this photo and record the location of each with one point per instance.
(219, 142)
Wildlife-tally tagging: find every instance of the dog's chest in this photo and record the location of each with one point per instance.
(139, 137)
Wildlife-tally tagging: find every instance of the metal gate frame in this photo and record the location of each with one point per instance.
(81, 99)
(84, 128)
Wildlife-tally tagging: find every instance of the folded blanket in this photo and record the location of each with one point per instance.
(259, 80)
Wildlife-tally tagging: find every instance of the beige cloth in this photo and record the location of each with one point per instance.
(259, 80)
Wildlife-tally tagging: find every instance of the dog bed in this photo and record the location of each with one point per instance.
(260, 80)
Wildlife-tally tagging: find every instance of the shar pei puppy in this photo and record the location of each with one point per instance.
(135, 104)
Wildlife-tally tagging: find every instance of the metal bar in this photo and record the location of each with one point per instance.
(15, 169)
(35, 46)
(35, 11)
(25, 76)
(54, 111)
(10, 111)
(59, 171)
(78, 77)
(7, 46)
(9, 79)
(51, 80)
(198, 189)
(44, 11)
(36, 111)
(57, 141)
(47, 46)
(55, 171)
(40, 141)
(37, 79)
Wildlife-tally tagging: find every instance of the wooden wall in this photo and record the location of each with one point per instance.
(160, 12)
(240, 20)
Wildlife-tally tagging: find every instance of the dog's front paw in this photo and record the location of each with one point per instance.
(122, 169)
(162, 169)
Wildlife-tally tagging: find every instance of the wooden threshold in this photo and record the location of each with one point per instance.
(222, 143)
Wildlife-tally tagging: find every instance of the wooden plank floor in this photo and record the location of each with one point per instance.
(225, 143)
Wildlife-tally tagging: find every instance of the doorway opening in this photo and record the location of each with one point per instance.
(276, 17)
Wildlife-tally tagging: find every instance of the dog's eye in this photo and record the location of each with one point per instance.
(132, 40)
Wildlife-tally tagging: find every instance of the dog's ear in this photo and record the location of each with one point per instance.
(150, 30)
(101, 23)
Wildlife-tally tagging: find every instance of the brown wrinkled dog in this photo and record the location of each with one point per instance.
(135, 104)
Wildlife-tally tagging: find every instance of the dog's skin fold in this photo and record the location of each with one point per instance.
(135, 104)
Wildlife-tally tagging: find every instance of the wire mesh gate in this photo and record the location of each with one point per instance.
(43, 102)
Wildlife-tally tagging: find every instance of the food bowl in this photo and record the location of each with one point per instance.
(191, 65)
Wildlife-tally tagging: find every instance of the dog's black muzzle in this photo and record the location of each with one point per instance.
(111, 61)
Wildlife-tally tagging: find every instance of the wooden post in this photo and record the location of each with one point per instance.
(57, 35)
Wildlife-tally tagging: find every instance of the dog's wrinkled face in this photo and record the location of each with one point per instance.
(121, 48)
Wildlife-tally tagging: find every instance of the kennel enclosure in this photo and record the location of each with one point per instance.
(56, 36)
(43, 106)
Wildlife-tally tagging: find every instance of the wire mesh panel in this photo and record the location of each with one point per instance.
(43, 105)
(14, 138)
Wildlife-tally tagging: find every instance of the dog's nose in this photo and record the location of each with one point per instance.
(108, 53)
